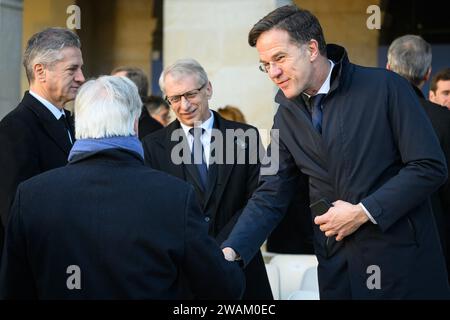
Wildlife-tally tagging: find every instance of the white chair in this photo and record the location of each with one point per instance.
(310, 281)
(274, 280)
(309, 289)
(304, 295)
(291, 269)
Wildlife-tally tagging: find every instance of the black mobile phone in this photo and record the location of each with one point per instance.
(320, 207)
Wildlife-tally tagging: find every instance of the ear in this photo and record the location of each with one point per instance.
(427, 75)
(431, 96)
(209, 90)
(313, 48)
(136, 127)
(388, 66)
(39, 71)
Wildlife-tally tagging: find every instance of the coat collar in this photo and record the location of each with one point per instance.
(120, 155)
(418, 91)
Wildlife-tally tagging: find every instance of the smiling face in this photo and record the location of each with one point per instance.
(195, 108)
(288, 65)
(59, 83)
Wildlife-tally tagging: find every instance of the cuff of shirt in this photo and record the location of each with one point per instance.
(368, 214)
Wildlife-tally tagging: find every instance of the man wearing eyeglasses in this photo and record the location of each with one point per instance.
(222, 187)
(362, 139)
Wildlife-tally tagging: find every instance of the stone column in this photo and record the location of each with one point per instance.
(344, 23)
(215, 34)
(10, 54)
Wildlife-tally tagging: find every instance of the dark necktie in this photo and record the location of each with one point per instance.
(65, 123)
(198, 155)
(316, 112)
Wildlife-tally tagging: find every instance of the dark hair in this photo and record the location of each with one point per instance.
(137, 76)
(444, 75)
(153, 103)
(45, 47)
(301, 25)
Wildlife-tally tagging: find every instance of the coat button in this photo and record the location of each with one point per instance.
(207, 219)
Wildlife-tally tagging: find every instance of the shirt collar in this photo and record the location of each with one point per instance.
(207, 125)
(325, 88)
(58, 113)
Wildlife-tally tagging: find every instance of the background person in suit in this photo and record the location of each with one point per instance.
(38, 134)
(158, 109)
(147, 124)
(410, 56)
(222, 189)
(440, 88)
(367, 146)
(131, 232)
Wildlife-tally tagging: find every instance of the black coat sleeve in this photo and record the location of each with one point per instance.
(424, 166)
(19, 161)
(210, 276)
(278, 183)
(16, 278)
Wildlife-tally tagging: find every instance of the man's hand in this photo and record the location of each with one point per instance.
(342, 219)
(229, 254)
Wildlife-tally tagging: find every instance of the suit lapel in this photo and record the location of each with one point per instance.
(316, 144)
(219, 174)
(70, 120)
(50, 124)
(183, 169)
(212, 178)
(176, 170)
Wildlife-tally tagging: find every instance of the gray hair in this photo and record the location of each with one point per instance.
(45, 47)
(410, 56)
(182, 68)
(106, 107)
(136, 75)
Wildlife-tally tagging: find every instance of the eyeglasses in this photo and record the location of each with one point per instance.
(190, 95)
(266, 66)
(283, 58)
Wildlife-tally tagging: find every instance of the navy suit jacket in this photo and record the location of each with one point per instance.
(377, 147)
(134, 233)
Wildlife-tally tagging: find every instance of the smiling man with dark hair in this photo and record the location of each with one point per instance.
(365, 144)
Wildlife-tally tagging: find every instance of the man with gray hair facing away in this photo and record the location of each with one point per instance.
(410, 56)
(37, 135)
(106, 226)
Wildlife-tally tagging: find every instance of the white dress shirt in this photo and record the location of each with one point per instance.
(206, 137)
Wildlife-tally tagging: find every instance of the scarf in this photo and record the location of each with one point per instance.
(130, 143)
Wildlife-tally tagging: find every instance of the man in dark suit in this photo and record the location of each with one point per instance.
(106, 226)
(38, 134)
(410, 56)
(222, 183)
(366, 146)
